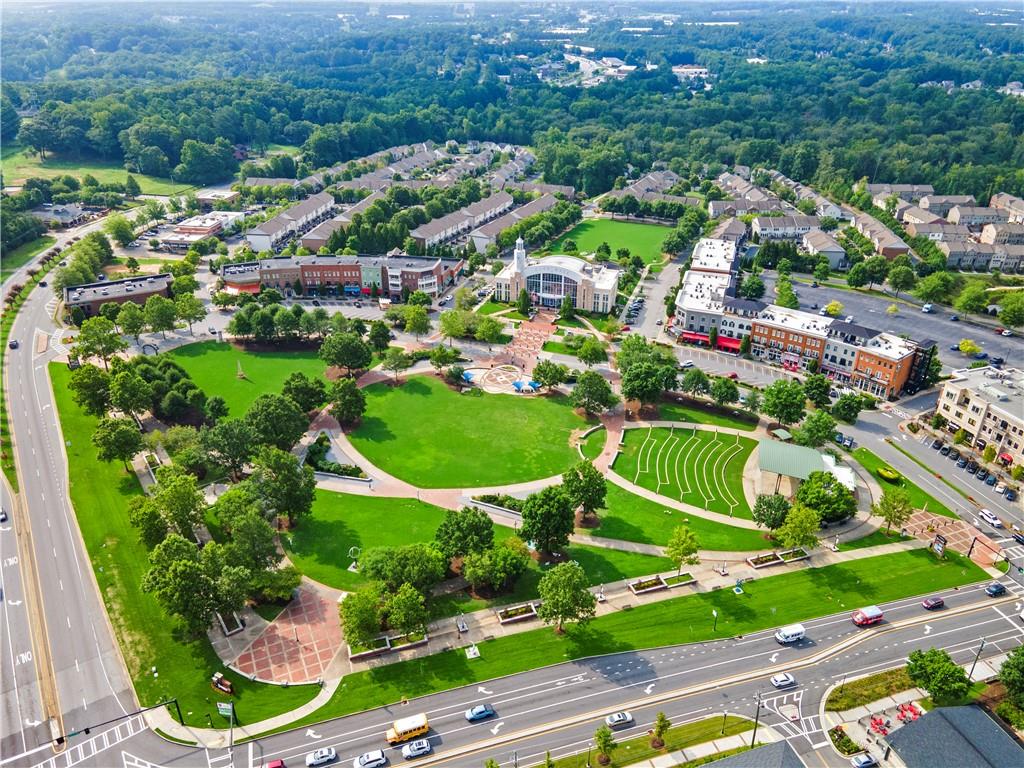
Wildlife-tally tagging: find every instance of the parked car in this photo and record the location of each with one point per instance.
(999, 330)
(1006, 332)
(416, 748)
(848, 442)
(3, 515)
(372, 759)
(944, 450)
(981, 475)
(42, 283)
(1001, 488)
(981, 355)
(732, 375)
(961, 463)
(686, 364)
(954, 318)
(618, 719)
(479, 712)
(839, 437)
(954, 347)
(991, 480)
(936, 444)
(971, 468)
(994, 360)
(995, 589)
(1010, 495)
(324, 756)
(782, 680)
(989, 517)
(276, 764)
(933, 603)
(927, 309)
(954, 455)
(659, 322)
(864, 760)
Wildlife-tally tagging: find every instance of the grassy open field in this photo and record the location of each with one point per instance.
(20, 164)
(100, 493)
(644, 240)
(213, 366)
(699, 413)
(319, 546)
(919, 498)
(633, 518)
(594, 444)
(694, 466)
(427, 434)
(22, 255)
(766, 602)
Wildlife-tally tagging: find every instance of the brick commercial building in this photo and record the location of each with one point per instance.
(386, 276)
(190, 231)
(592, 287)
(89, 297)
(988, 404)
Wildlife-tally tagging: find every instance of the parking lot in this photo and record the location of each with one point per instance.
(869, 311)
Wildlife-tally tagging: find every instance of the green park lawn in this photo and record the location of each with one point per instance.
(874, 539)
(633, 518)
(697, 467)
(561, 348)
(20, 164)
(644, 240)
(100, 493)
(706, 413)
(320, 544)
(18, 257)
(594, 444)
(213, 365)
(766, 602)
(427, 434)
(919, 498)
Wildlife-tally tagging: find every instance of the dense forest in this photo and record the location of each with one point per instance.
(836, 94)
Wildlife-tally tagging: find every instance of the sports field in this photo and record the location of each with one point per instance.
(697, 467)
(643, 240)
(20, 164)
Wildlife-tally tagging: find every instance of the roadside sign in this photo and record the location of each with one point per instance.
(226, 708)
(939, 545)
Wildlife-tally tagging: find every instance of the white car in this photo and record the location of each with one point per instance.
(618, 719)
(365, 760)
(416, 748)
(783, 680)
(1001, 488)
(1007, 332)
(987, 515)
(321, 756)
(686, 364)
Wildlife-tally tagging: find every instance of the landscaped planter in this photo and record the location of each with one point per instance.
(764, 561)
(652, 584)
(404, 642)
(793, 555)
(517, 613)
(680, 580)
(380, 645)
(889, 474)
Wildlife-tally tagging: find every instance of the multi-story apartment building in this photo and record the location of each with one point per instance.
(1003, 234)
(988, 404)
(943, 204)
(783, 227)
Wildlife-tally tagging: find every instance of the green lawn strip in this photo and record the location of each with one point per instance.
(857, 693)
(427, 434)
(100, 493)
(706, 414)
(919, 498)
(634, 518)
(644, 240)
(594, 444)
(574, 322)
(16, 258)
(873, 539)
(639, 748)
(20, 164)
(972, 695)
(928, 469)
(320, 544)
(490, 307)
(213, 366)
(560, 348)
(796, 596)
(693, 466)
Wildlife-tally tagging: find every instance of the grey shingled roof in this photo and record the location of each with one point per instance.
(776, 755)
(955, 737)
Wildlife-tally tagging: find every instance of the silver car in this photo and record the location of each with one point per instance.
(618, 720)
(416, 748)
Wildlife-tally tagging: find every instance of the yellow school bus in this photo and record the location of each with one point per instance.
(407, 728)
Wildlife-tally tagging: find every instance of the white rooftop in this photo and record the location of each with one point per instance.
(889, 345)
(795, 320)
(712, 255)
(702, 291)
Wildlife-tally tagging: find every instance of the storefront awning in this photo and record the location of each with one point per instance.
(1006, 457)
(729, 343)
(701, 337)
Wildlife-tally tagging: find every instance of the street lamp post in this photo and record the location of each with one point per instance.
(970, 675)
(588, 753)
(714, 612)
(757, 717)
(842, 684)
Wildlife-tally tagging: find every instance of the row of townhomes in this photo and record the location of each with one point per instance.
(295, 221)
(326, 276)
(852, 355)
(592, 287)
(651, 188)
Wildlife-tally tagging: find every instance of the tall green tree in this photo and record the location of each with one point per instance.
(682, 547)
(937, 673)
(800, 529)
(99, 338)
(276, 420)
(131, 319)
(548, 519)
(566, 596)
(770, 510)
(160, 314)
(348, 402)
(130, 393)
(117, 440)
(90, 389)
(593, 393)
(464, 531)
(894, 507)
(346, 350)
(284, 486)
(784, 401)
(586, 487)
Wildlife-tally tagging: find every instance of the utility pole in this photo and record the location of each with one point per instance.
(757, 717)
(970, 675)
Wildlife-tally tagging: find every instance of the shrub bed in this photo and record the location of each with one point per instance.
(842, 741)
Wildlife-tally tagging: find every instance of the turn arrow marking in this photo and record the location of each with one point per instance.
(927, 629)
(481, 689)
(497, 727)
(32, 723)
(14, 602)
(772, 658)
(311, 734)
(648, 689)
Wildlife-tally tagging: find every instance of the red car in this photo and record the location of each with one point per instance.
(625, 328)
(933, 603)
(732, 375)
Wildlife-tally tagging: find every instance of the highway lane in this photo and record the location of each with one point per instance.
(90, 678)
(604, 684)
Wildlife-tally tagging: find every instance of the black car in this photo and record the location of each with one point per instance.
(961, 463)
(13, 343)
(936, 444)
(981, 475)
(995, 589)
(1011, 496)
(954, 455)
(316, 303)
(1018, 537)
(993, 360)
(944, 451)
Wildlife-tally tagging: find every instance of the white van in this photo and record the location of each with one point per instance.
(790, 634)
(927, 309)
